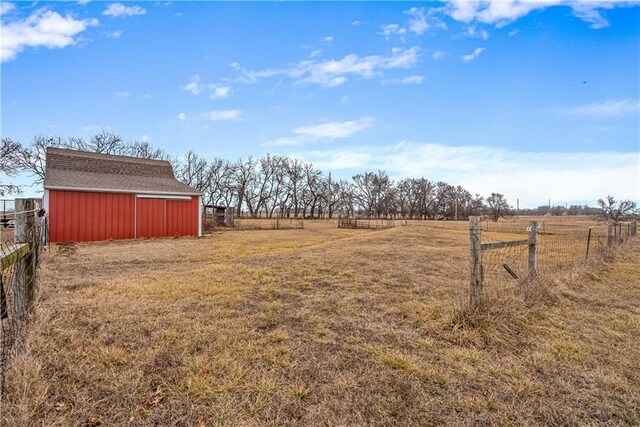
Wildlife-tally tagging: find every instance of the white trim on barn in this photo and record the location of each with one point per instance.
(199, 216)
(162, 196)
(45, 201)
(114, 190)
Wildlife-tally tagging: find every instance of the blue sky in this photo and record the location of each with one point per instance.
(533, 100)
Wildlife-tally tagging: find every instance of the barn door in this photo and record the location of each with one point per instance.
(168, 216)
(151, 218)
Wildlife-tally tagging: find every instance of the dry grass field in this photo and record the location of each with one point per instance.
(323, 326)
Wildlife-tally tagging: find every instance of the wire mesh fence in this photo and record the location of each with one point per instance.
(268, 223)
(345, 222)
(19, 261)
(510, 252)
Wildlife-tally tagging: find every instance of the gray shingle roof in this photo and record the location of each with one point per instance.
(84, 171)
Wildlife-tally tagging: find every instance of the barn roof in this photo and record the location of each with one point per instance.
(84, 171)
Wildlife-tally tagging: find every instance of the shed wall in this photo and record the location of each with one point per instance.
(78, 216)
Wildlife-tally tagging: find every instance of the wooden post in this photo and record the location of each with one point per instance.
(277, 222)
(25, 266)
(609, 233)
(533, 242)
(25, 220)
(588, 242)
(620, 237)
(229, 215)
(475, 261)
(633, 228)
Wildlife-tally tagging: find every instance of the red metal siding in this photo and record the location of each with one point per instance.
(77, 216)
(166, 217)
(182, 217)
(150, 218)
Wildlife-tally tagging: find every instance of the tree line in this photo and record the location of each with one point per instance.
(273, 185)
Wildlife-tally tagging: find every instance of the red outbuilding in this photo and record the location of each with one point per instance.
(92, 196)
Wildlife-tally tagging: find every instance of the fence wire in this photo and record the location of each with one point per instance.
(18, 286)
(268, 223)
(345, 222)
(506, 254)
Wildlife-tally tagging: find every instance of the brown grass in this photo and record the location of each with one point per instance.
(322, 326)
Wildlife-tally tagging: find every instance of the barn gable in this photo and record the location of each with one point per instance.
(84, 171)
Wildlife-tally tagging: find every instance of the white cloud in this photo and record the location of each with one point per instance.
(604, 109)
(122, 94)
(332, 73)
(181, 116)
(328, 39)
(114, 34)
(513, 33)
(6, 7)
(409, 80)
(474, 55)
(563, 177)
(503, 12)
(193, 86)
(589, 12)
(42, 28)
(119, 9)
(221, 115)
(83, 2)
(392, 29)
(344, 100)
(145, 138)
(439, 54)
(323, 132)
(356, 23)
(220, 92)
(472, 32)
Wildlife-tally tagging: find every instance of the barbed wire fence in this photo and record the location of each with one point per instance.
(502, 258)
(19, 261)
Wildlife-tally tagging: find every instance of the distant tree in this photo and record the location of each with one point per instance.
(617, 210)
(497, 206)
(9, 165)
(32, 158)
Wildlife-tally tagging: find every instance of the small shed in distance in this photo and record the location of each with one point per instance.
(92, 196)
(217, 216)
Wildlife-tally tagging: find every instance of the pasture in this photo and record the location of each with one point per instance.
(324, 326)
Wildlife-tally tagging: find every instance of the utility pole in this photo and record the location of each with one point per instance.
(329, 197)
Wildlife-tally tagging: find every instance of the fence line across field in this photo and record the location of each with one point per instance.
(494, 261)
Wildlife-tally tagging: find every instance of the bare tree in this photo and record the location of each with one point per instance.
(243, 179)
(497, 206)
(194, 171)
(9, 165)
(617, 210)
(32, 158)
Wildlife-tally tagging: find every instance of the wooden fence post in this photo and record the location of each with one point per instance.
(609, 233)
(533, 243)
(634, 228)
(229, 214)
(619, 232)
(588, 242)
(475, 260)
(25, 266)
